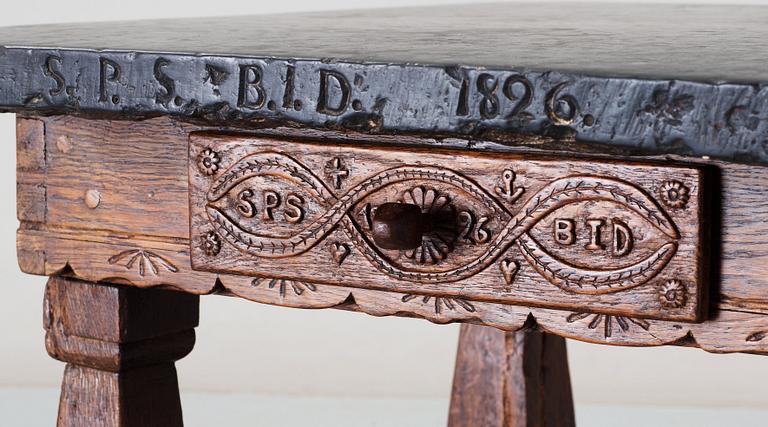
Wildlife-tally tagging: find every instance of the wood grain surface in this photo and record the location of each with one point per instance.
(510, 379)
(142, 397)
(143, 188)
(119, 344)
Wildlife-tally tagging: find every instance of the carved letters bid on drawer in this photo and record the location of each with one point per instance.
(609, 238)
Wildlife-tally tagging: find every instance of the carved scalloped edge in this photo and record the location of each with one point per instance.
(729, 331)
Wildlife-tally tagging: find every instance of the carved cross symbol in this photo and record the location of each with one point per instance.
(336, 171)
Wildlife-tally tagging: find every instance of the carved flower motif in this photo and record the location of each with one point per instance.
(210, 243)
(672, 294)
(208, 161)
(436, 244)
(674, 194)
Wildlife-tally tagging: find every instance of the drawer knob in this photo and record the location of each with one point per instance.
(400, 226)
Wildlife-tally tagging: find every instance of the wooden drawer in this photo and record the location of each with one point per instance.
(619, 238)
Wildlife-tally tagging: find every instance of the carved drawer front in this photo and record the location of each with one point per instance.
(605, 237)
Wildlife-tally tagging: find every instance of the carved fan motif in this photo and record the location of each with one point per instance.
(144, 261)
(436, 244)
(623, 322)
(283, 285)
(450, 304)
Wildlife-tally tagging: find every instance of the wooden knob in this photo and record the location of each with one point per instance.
(400, 226)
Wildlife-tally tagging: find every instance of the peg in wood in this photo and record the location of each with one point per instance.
(400, 226)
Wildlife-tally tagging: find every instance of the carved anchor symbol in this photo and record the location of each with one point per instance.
(508, 190)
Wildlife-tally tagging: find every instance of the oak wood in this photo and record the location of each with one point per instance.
(724, 331)
(146, 396)
(30, 167)
(510, 379)
(133, 206)
(119, 344)
(631, 235)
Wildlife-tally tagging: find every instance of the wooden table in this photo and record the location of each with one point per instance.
(536, 172)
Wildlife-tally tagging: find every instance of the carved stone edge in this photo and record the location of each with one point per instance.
(728, 331)
(666, 110)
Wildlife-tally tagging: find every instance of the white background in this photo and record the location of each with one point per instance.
(245, 347)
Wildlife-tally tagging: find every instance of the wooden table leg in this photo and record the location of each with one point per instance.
(510, 379)
(119, 344)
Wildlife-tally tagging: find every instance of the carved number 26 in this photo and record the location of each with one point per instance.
(487, 86)
(473, 229)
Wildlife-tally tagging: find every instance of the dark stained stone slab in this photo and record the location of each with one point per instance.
(687, 80)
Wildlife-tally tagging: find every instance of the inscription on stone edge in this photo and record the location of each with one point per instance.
(542, 232)
(333, 98)
(491, 95)
(467, 101)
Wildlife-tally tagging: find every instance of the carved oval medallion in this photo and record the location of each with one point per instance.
(605, 235)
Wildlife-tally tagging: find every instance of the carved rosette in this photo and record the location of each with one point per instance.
(674, 194)
(672, 294)
(210, 242)
(208, 161)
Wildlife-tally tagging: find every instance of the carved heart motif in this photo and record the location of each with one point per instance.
(339, 251)
(509, 269)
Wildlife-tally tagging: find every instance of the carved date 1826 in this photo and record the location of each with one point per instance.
(503, 229)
